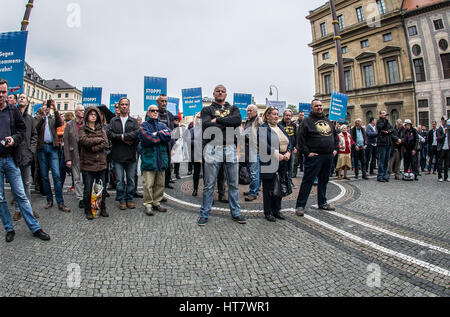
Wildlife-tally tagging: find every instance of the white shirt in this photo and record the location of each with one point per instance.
(124, 122)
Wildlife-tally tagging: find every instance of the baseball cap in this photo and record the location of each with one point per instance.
(408, 121)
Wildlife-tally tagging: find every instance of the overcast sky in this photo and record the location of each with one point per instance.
(247, 45)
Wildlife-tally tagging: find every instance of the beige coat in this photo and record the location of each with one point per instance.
(70, 139)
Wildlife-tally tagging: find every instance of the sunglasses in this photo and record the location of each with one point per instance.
(154, 110)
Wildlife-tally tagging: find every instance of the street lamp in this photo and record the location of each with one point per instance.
(271, 93)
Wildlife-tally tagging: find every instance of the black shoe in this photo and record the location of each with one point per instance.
(10, 236)
(195, 193)
(164, 200)
(271, 218)
(177, 177)
(240, 220)
(81, 204)
(386, 180)
(169, 186)
(202, 222)
(159, 208)
(223, 200)
(138, 195)
(356, 176)
(279, 216)
(246, 193)
(41, 235)
(365, 177)
(327, 207)
(171, 182)
(89, 216)
(189, 173)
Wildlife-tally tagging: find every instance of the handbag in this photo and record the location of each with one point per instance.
(286, 186)
(276, 186)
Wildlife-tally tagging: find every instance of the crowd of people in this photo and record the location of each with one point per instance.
(97, 146)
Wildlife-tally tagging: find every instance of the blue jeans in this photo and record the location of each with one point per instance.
(215, 158)
(9, 169)
(125, 192)
(315, 167)
(254, 169)
(48, 159)
(384, 154)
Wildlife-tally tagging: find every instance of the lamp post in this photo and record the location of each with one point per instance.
(26, 17)
(337, 38)
(271, 93)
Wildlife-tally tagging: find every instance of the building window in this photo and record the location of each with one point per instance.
(328, 85)
(443, 45)
(341, 21)
(32, 93)
(387, 37)
(28, 91)
(59, 95)
(323, 29)
(412, 30)
(360, 14)
(381, 7)
(448, 101)
(67, 95)
(445, 58)
(364, 43)
(348, 79)
(42, 95)
(344, 50)
(59, 106)
(392, 67)
(395, 115)
(420, 70)
(438, 24)
(416, 50)
(424, 118)
(369, 115)
(66, 106)
(326, 55)
(423, 103)
(369, 76)
(46, 95)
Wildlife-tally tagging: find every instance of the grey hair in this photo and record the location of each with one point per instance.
(253, 107)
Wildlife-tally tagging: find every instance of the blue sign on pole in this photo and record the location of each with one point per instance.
(92, 97)
(280, 105)
(36, 107)
(173, 105)
(338, 108)
(305, 108)
(12, 59)
(113, 99)
(153, 88)
(192, 101)
(242, 101)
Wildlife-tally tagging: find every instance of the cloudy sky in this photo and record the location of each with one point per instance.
(247, 45)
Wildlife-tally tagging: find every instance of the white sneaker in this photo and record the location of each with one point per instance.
(448, 180)
(441, 180)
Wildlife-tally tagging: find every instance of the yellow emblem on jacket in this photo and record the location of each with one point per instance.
(323, 128)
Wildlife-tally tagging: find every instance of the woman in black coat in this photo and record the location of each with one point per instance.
(275, 149)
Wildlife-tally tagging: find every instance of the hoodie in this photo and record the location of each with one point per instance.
(317, 135)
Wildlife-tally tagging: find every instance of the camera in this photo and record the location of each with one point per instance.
(5, 142)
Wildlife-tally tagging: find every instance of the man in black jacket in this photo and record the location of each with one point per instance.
(384, 144)
(433, 153)
(395, 161)
(318, 140)
(27, 149)
(359, 136)
(411, 145)
(291, 129)
(12, 133)
(298, 157)
(219, 122)
(123, 133)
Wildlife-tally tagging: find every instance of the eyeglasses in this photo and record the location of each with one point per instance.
(154, 110)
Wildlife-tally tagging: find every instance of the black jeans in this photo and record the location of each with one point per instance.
(410, 162)
(371, 158)
(168, 174)
(272, 205)
(88, 180)
(359, 156)
(316, 166)
(176, 167)
(443, 163)
(197, 169)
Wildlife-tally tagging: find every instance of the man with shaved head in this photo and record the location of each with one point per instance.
(71, 153)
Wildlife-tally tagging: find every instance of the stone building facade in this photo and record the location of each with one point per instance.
(427, 25)
(378, 74)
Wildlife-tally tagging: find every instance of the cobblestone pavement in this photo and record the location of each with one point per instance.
(383, 240)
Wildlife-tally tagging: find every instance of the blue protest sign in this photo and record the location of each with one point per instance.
(92, 97)
(173, 105)
(12, 59)
(242, 101)
(153, 88)
(280, 105)
(192, 101)
(305, 108)
(338, 108)
(113, 99)
(36, 107)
